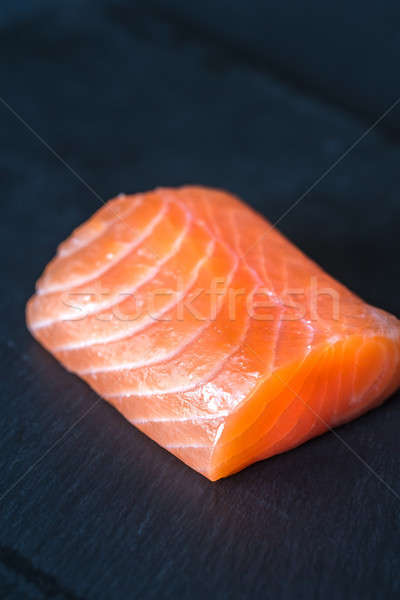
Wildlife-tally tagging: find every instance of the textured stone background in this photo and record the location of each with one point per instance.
(257, 97)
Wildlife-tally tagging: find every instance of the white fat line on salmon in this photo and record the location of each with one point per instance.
(188, 446)
(213, 373)
(126, 333)
(73, 244)
(167, 356)
(105, 306)
(130, 247)
(221, 414)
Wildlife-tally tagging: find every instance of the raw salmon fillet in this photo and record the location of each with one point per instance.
(208, 330)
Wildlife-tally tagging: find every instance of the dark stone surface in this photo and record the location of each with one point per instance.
(345, 53)
(132, 97)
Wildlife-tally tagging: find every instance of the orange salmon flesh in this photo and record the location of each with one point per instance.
(208, 330)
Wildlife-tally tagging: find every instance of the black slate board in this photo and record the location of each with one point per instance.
(135, 95)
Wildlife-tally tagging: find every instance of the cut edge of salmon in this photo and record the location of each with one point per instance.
(261, 425)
